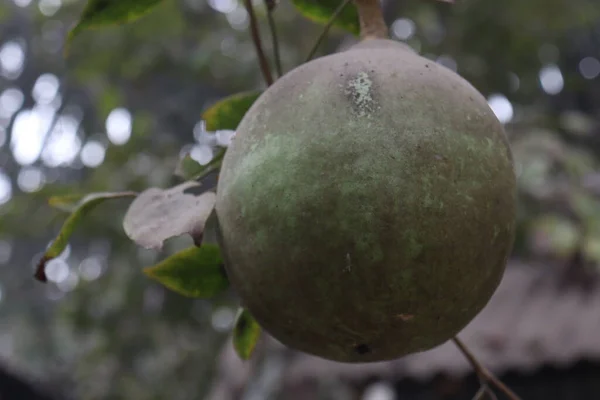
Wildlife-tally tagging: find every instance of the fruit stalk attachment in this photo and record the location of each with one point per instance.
(372, 24)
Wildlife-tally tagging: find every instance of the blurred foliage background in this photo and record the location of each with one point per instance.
(117, 114)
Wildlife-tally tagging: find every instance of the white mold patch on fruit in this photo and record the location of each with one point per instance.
(359, 89)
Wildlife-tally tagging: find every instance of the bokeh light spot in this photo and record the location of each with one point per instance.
(502, 107)
(118, 126)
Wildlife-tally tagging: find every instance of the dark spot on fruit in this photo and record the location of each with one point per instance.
(362, 348)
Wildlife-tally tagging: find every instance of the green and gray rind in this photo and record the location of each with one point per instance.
(367, 205)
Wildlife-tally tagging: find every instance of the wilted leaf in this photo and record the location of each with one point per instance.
(193, 272)
(228, 112)
(79, 209)
(321, 11)
(71, 202)
(100, 13)
(157, 215)
(245, 334)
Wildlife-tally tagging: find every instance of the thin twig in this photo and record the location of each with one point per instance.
(328, 26)
(270, 9)
(484, 390)
(480, 395)
(485, 376)
(490, 393)
(262, 60)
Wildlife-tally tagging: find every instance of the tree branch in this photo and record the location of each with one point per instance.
(271, 4)
(485, 376)
(326, 29)
(262, 60)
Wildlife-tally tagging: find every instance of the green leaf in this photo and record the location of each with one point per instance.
(67, 202)
(321, 11)
(190, 169)
(102, 13)
(245, 334)
(157, 215)
(80, 208)
(193, 272)
(228, 112)
(71, 202)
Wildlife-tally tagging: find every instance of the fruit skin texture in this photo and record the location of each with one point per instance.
(367, 205)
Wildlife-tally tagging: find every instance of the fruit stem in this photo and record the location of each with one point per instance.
(372, 24)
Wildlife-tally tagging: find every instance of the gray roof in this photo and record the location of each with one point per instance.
(541, 314)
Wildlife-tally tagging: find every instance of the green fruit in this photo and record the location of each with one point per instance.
(367, 205)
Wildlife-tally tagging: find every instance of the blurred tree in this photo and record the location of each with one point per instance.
(120, 110)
